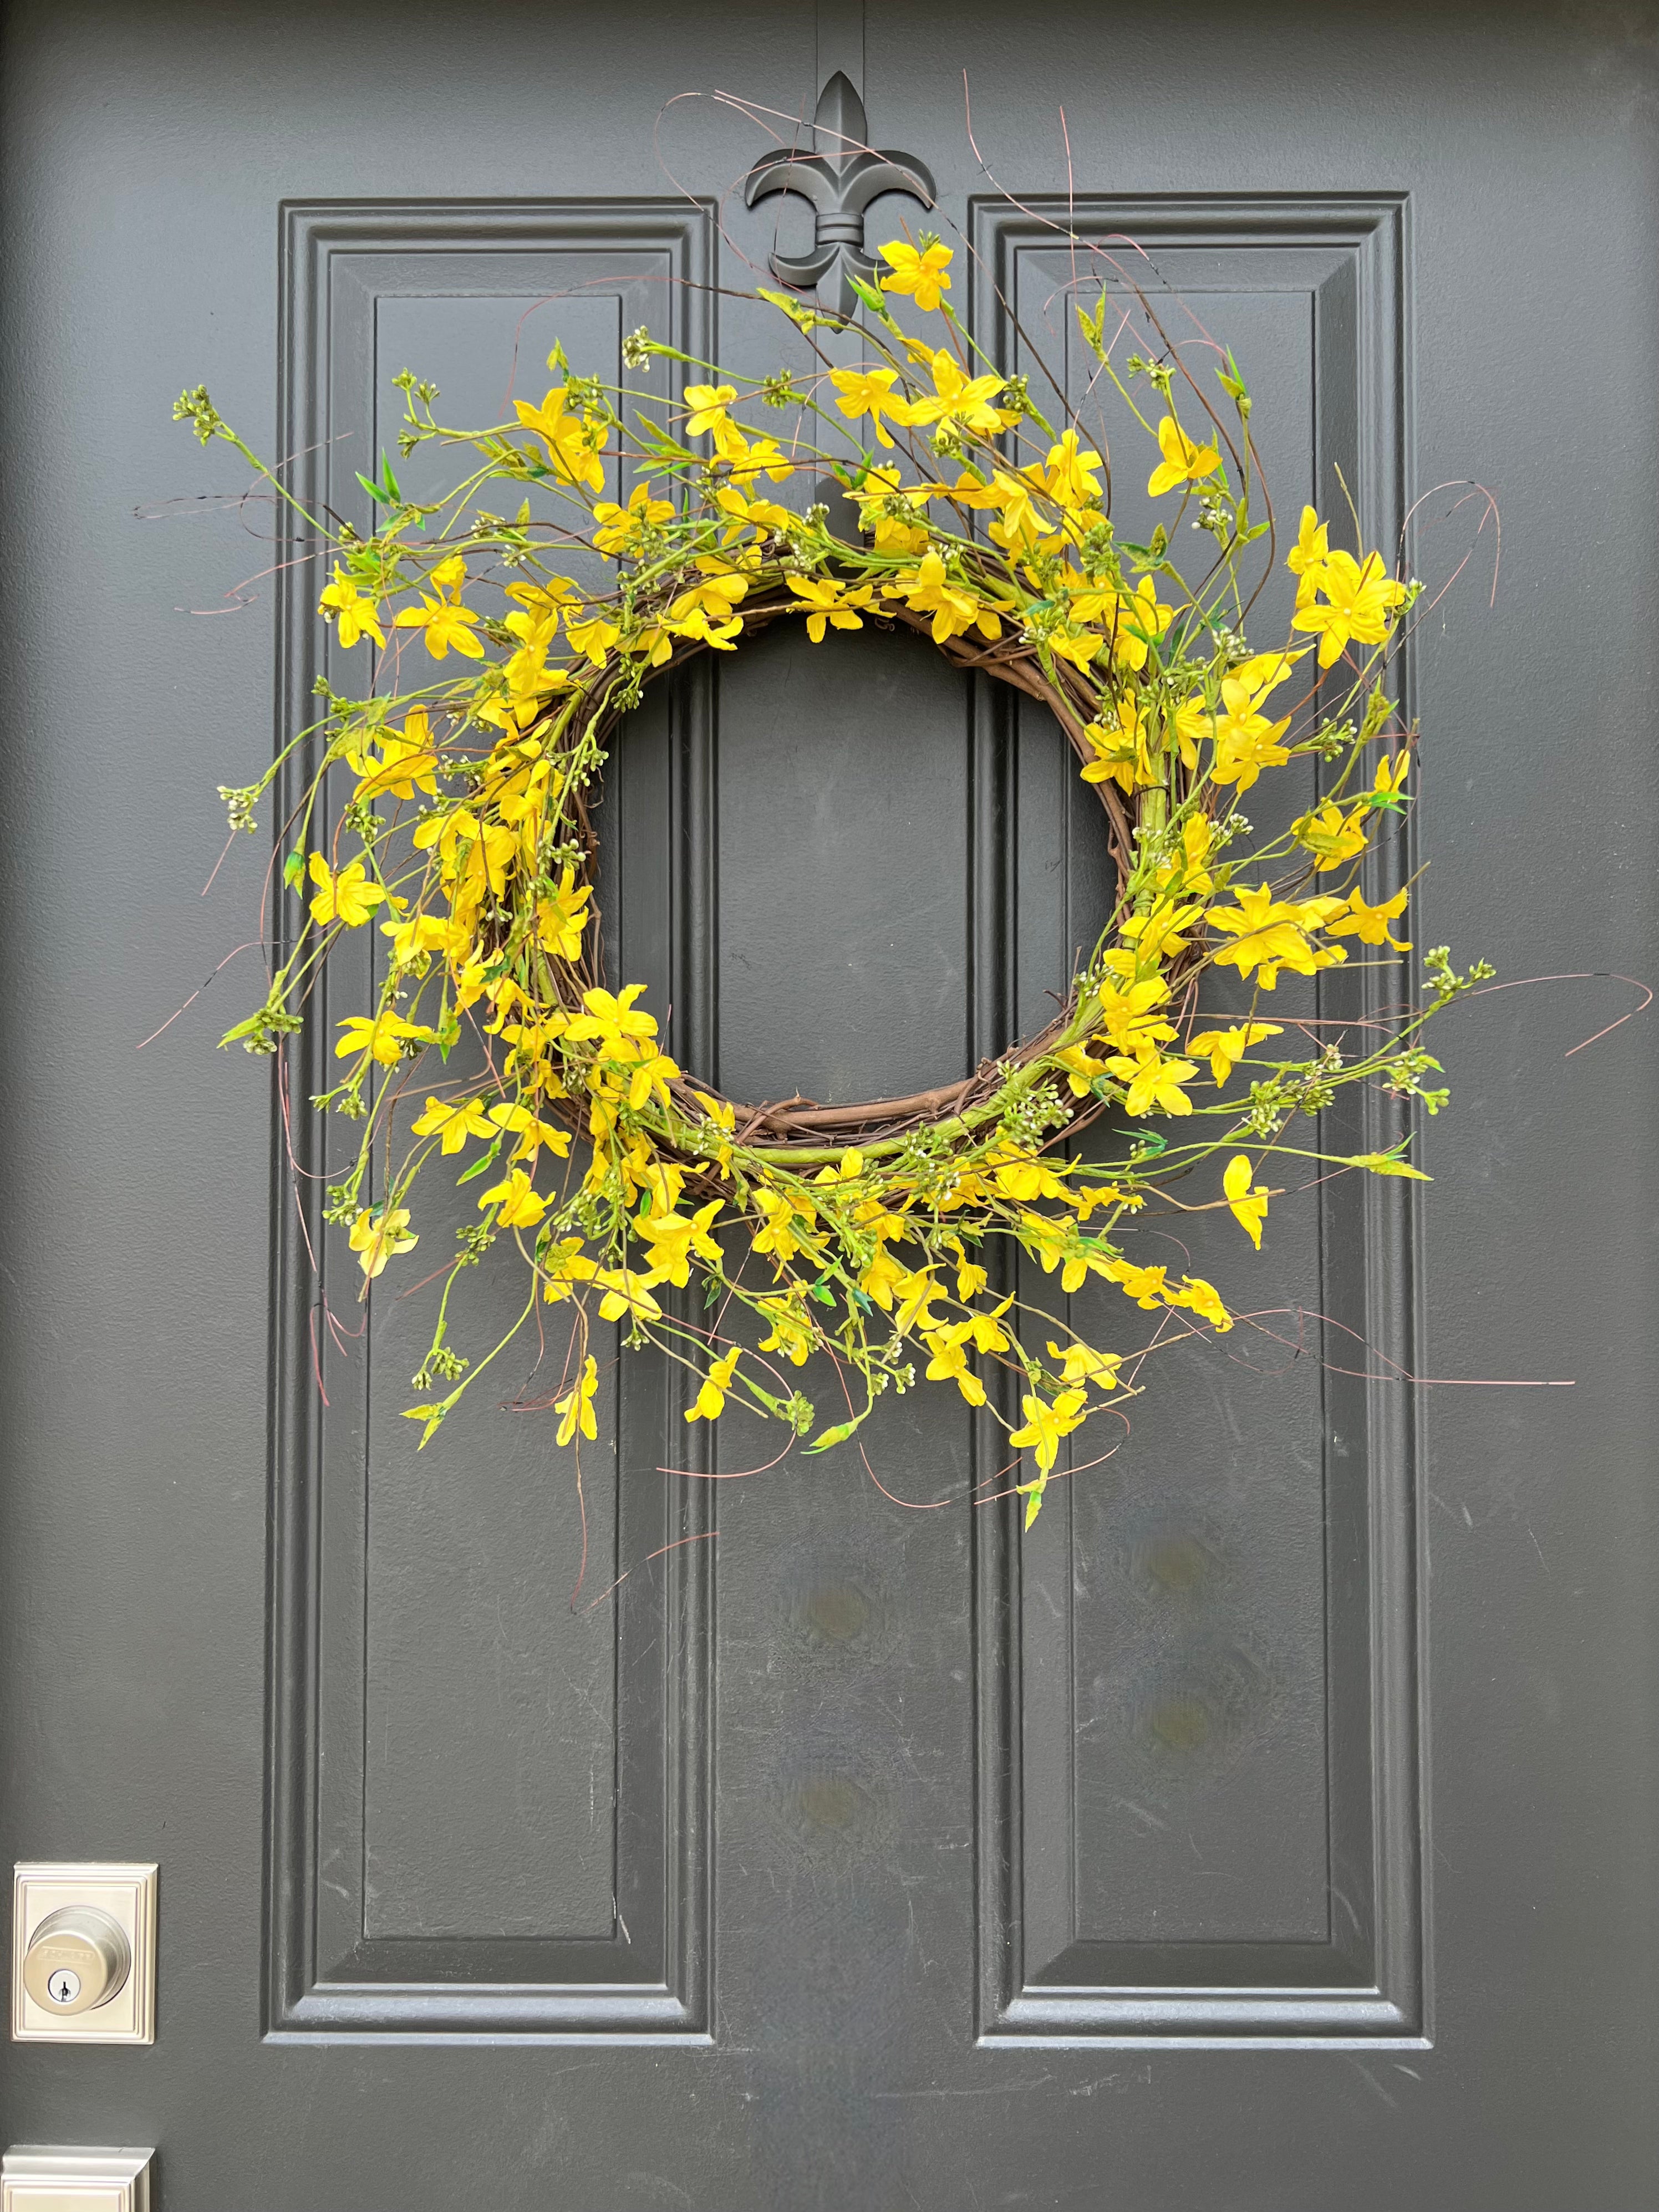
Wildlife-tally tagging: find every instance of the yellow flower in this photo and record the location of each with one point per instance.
(1128, 1015)
(563, 1266)
(916, 1292)
(676, 1240)
(610, 1019)
(1369, 924)
(376, 1238)
(1331, 835)
(572, 443)
(1203, 1299)
(953, 607)
(1154, 1083)
(1019, 1174)
(408, 762)
(1081, 1362)
(790, 1334)
(882, 1278)
(860, 392)
(949, 1362)
(384, 1036)
(1020, 524)
(723, 636)
(904, 532)
(1068, 473)
(1121, 748)
(357, 616)
(747, 458)
(1270, 936)
(719, 589)
(467, 1118)
(711, 1398)
(764, 516)
(1225, 1048)
(521, 1204)
(421, 934)
(1248, 1203)
(1246, 741)
(1388, 781)
(626, 1292)
(348, 896)
(1187, 865)
(446, 623)
(828, 602)
(561, 920)
(1081, 1069)
(1157, 936)
(1045, 1426)
(1146, 1285)
(533, 1133)
(544, 601)
(1057, 1244)
(621, 527)
(923, 275)
(707, 404)
(1183, 462)
(575, 1408)
(1360, 603)
(847, 1168)
(1306, 557)
(957, 398)
(594, 637)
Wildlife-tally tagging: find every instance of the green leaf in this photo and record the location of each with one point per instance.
(871, 298)
(830, 1437)
(478, 1166)
(431, 1415)
(1230, 381)
(1388, 1164)
(803, 317)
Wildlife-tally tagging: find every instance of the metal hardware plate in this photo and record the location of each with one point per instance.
(124, 1894)
(50, 2178)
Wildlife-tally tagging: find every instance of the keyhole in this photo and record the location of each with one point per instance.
(65, 1986)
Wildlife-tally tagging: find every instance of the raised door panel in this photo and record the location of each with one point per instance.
(1199, 1816)
(489, 1683)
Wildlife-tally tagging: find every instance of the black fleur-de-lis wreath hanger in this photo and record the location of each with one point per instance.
(841, 179)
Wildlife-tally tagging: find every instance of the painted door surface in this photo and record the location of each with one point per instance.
(1275, 1828)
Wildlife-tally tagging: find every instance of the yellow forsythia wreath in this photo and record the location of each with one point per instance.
(466, 838)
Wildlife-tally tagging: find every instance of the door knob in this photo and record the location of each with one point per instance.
(78, 1959)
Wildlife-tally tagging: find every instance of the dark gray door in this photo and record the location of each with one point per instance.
(1276, 1829)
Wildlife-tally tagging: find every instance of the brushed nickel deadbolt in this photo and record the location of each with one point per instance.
(78, 1959)
(83, 1953)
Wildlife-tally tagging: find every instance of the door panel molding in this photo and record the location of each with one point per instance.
(1041, 1976)
(640, 1968)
